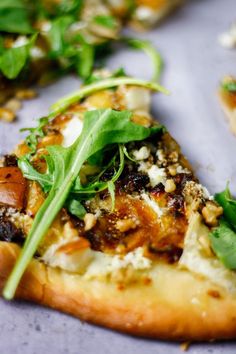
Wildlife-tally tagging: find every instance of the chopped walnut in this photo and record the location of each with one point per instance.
(13, 105)
(126, 224)
(172, 170)
(211, 212)
(7, 115)
(170, 186)
(89, 221)
(26, 94)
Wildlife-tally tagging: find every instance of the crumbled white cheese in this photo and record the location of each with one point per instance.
(134, 258)
(180, 169)
(141, 154)
(137, 99)
(206, 193)
(144, 13)
(228, 39)
(104, 264)
(76, 261)
(72, 131)
(156, 174)
(150, 16)
(152, 204)
(197, 259)
(20, 41)
(160, 155)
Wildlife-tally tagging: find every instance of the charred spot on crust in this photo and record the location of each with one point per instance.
(9, 232)
(10, 160)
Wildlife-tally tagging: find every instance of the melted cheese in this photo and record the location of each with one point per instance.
(72, 131)
(105, 264)
(142, 154)
(152, 204)
(137, 99)
(196, 258)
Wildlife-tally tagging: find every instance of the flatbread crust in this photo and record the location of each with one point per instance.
(228, 103)
(176, 305)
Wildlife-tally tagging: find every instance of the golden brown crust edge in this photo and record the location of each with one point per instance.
(230, 112)
(175, 306)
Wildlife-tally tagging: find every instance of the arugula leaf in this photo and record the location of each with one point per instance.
(223, 242)
(101, 128)
(223, 237)
(95, 77)
(152, 52)
(69, 7)
(35, 133)
(229, 205)
(72, 51)
(105, 21)
(13, 60)
(29, 172)
(76, 208)
(229, 86)
(14, 17)
(56, 35)
(85, 60)
(111, 189)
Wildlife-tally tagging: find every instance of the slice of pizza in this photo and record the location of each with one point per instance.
(227, 95)
(61, 38)
(102, 218)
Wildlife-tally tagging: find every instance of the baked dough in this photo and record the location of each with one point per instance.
(176, 305)
(228, 103)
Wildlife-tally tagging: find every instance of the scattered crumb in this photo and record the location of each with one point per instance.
(7, 115)
(185, 346)
(26, 94)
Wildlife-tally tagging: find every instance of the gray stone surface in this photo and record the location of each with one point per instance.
(194, 65)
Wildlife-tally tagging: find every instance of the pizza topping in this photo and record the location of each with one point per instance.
(89, 221)
(61, 180)
(142, 154)
(72, 131)
(10, 160)
(8, 231)
(12, 187)
(137, 196)
(211, 213)
(170, 186)
(198, 257)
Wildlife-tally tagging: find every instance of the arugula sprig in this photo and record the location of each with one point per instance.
(15, 17)
(229, 86)
(35, 133)
(13, 60)
(96, 84)
(65, 102)
(101, 128)
(151, 51)
(223, 237)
